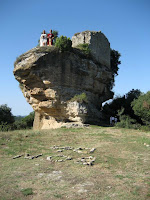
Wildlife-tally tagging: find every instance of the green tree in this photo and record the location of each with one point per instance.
(114, 63)
(6, 115)
(63, 43)
(29, 119)
(130, 96)
(55, 33)
(141, 107)
(25, 123)
(111, 109)
(122, 102)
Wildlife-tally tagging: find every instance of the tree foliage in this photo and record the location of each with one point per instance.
(114, 63)
(141, 107)
(25, 123)
(111, 109)
(63, 43)
(125, 121)
(55, 33)
(6, 115)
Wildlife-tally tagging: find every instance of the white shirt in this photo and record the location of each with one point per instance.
(43, 39)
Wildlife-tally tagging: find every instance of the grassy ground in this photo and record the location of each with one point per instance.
(121, 170)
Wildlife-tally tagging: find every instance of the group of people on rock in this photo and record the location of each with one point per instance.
(46, 39)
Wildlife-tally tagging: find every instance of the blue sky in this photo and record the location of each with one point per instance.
(126, 24)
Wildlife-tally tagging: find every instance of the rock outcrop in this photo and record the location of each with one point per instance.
(98, 44)
(65, 87)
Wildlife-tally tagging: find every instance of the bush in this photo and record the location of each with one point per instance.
(20, 124)
(85, 48)
(63, 43)
(145, 128)
(4, 126)
(80, 98)
(127, 122)
(141, 107)
(24, 123)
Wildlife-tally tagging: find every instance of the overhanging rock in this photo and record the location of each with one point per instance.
(64, 87)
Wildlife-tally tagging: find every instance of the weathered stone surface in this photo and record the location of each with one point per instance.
(51, 79)
(98, 43)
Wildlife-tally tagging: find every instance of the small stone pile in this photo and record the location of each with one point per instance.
(86, 160)
(83, 160)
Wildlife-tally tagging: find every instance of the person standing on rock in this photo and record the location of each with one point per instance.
(43, 39)
(50, 37)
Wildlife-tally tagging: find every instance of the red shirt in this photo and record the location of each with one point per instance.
(50, 35)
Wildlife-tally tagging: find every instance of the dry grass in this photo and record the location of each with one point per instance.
(121, 170)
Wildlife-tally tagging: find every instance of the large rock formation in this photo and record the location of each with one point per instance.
(65, 87)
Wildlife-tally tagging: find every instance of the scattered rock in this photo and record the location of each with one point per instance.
(68, 158)
(92, 150)
(38, 155)
(27, 156)
(49, 158)
(59, 150)
(30, 157)
(79, 148)
(109, 187)
(82, 191)
(147, 145)
(18, 156)
(86, 160)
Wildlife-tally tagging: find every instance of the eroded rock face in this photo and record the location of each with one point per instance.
(53, 83)
(98, 43)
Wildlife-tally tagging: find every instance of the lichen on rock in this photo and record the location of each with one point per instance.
(52, 80)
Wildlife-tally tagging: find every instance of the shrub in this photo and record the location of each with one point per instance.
(141, 107)
(126, 121)
(63, 43)
(24, 123)
(4, 126)
(145, 128)
(84, 47)
(80, 98)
